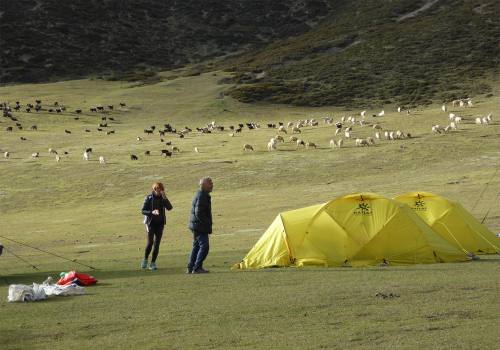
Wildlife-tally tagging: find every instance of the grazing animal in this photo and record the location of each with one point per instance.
(9, 128)
(58, 159)
(176, 149)
(479, 121)
(122, 104)
(52, 151)
(296, 130)
(381, 113)
(67, 131)
(102, 160)
(139, 138)
(196, 150)
(166, 153)
(310, 145)
(300, 143)
(35, 155)
(293, 139)
(443, 108)
(247, 147)
(147, 153)
(78, 111)
(133, 157)
(271, 145)
(23, 138)
(110, 132)
(6, 155)
(377, 126)
(282, 129)
(86, 155)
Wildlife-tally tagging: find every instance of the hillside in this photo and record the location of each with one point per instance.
(51, 39)
(314, 52)
(370, 52)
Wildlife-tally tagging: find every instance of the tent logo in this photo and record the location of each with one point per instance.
(419, 205)
(363, 209)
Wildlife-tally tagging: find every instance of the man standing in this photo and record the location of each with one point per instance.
(200, 224)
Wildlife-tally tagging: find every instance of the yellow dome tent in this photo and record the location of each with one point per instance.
(355, 230)
(452, 222)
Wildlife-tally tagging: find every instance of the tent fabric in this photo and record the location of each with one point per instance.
(452, 222)
(80, 279)
(355, 230)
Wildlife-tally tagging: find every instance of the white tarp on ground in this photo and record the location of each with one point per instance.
(21, 292)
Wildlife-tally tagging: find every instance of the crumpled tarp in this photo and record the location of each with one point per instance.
(35, 292)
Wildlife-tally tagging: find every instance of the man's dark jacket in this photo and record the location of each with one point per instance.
(147, 209)
(200, 220)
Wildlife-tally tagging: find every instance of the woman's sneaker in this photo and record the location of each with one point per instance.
(144, 264)
(152, 266)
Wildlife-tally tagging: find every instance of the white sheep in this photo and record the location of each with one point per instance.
(347, 134)
(343, 119)
(436, 129)
(176, 149)
(300, 143)
(52, 151)
(139, 138)
(102, 160)
(370, 140)
(479, 121)
(35, 155)
(271, 145)
(58, 159)
(6, 155)
(386, 135)
(231, 135)
(469, 102)
(282, 129)
(196, 150)
(247, 147)
(399, 109)
(86, 155)
(290, 125)
(332, 143)
(296, 130)
(381, 113)
(377, 135)
(363, 113)
(453, 126)
(392, 135)
(489, 118)
(451, 116)
(443, 108)
(485, 120)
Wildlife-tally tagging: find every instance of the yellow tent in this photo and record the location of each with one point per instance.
(452, 222)
(354, 230)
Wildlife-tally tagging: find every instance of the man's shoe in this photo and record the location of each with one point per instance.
(199, 270)
(144, 264)
(152, 266)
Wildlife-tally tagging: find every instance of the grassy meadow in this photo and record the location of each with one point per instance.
(91, 212)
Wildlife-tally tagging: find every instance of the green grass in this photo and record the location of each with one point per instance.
(91, 212)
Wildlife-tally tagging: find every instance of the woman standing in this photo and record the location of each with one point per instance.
(153, 210)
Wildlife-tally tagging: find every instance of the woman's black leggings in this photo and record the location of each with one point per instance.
(154, 239)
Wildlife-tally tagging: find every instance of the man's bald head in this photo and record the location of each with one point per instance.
(206, 184)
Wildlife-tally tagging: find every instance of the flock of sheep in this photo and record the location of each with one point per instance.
(343, 129)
